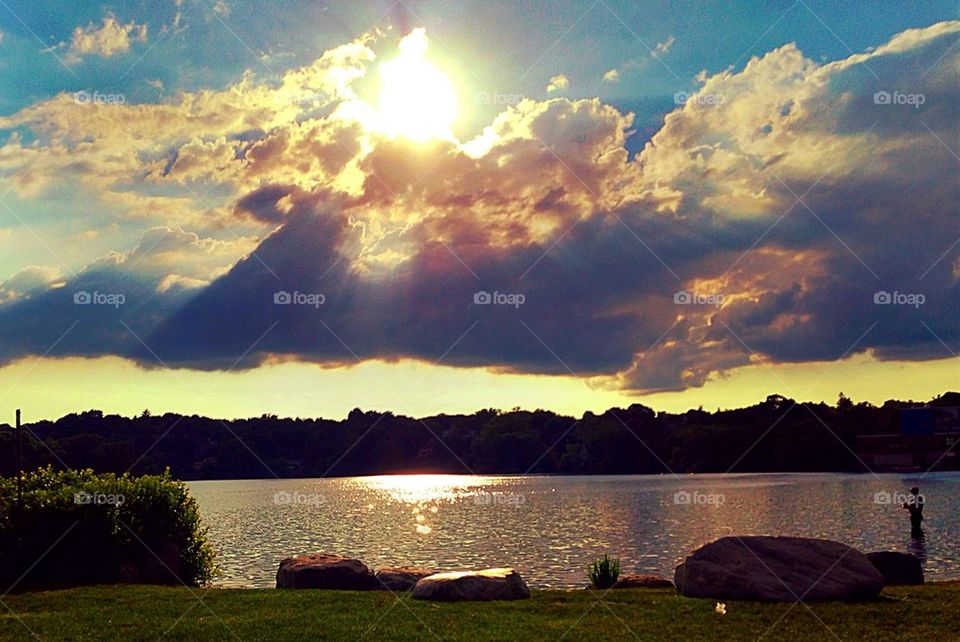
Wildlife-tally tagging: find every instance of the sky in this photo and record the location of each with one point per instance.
(235, 208)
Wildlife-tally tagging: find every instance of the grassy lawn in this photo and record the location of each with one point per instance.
(149, 613)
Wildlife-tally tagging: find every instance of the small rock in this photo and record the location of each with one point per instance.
(323, 571)
(401, 578)
(897, 568)
(489, 584)
(642, 581)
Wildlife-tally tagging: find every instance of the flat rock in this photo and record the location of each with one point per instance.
(642, 581)
(324, 571)
(897, 568)
(400, 578)
(778, 569)
(489, 584)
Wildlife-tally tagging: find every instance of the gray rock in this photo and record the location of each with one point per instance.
(489, 584)
(778, 569)
(642, 581)
(323, 571)
(897, 568)
(401, 578)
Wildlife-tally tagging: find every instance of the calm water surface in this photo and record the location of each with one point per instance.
(550, 528)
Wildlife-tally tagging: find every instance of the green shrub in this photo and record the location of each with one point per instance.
(603, 573)
(77, 527)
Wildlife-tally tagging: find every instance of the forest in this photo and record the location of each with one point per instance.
(776, 435)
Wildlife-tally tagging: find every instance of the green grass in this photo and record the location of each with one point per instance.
(149, 613)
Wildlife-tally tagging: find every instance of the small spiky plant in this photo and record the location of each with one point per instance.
(603, 573)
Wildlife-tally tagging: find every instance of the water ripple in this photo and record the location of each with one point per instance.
(550, 528)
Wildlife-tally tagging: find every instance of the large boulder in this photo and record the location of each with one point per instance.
(323, 571)
(897, 568)
(642, 581)
(489, 584)
(401, 578)
(778, 569)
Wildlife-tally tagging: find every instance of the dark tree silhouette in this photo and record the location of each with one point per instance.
(778, 434)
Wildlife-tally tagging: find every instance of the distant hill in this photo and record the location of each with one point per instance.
(778, 434)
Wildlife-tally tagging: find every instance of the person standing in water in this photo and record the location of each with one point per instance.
(914, 505)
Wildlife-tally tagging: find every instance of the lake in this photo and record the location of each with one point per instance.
(551, 528)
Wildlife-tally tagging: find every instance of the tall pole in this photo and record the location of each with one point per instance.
(19, 466)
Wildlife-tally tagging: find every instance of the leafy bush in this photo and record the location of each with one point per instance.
(77, 527)
(603, 573)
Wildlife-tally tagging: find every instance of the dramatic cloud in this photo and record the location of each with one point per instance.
(102, 146)
(858, 191)
(790, 211)
(27, 281)
(107, 39)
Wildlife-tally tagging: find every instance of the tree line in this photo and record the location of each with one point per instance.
(776, 435)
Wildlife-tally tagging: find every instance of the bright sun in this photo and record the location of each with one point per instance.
(416, 99)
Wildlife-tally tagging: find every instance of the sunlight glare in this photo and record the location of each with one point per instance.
(425, 488)
(417, 100)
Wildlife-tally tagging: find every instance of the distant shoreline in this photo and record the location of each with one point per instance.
(778, 435)
(939, 473)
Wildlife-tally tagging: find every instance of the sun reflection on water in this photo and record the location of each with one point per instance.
(425, 492)
(425, 489)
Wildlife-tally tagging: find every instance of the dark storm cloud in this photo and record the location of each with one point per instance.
(425, 307)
